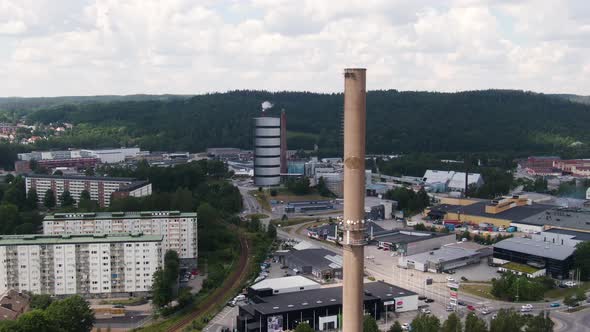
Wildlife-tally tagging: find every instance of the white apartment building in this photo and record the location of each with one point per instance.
(89, 265)
(179, 230)
(100, 188)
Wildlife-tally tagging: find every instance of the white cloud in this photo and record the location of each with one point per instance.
(75, 47)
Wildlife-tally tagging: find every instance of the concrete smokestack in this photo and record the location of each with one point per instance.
(284, 167)
(354, 198)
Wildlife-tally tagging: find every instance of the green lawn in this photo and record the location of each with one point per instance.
(130, 301)
(520, 267)
(557, 293)
(481, 290)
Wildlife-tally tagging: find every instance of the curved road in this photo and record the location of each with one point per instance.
(219, 295)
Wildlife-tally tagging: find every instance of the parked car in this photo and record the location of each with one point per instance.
(119, 306)
(450, 279)
(461, 303)
(494, 316)
(470, 308)
(429, 300)
(450, 308)
(485, 311)
(570, 284)
(406, 326)
(425, 311)
(421, 297)
(554, 305)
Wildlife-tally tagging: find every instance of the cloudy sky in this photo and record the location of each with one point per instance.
(89, 47)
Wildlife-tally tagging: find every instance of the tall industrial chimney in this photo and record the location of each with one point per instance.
(284, 166)
(354, 198)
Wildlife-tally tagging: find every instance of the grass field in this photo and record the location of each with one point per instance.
(520, 267)
(557, 293)
(481, 290)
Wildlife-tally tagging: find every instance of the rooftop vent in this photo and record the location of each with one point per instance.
(275, 308)
(290, 306)
(318, 301)
(304, 303)
(332, 300)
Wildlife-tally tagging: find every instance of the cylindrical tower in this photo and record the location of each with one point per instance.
(354, 198)
(284, 165)
(267, 151)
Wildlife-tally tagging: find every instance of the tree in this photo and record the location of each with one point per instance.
(8, 178)
(570, 301)
(475, 324)
(182, 200)
(396, 327)
(49, 200)
(164, 286)
(254, 225)
(272, 231)
(66, 199)
(540, 323)
(36, 321)
(580, 295)
(72, 314)
(40, 301)
(304, 327)
(420, 227)
(58, 172)
(507, 320)
(452, 324)
(369, 324)
(582, 259)
(85, 194)
(32, 199)
(323, 188)
(89, 171)
(160, 291)
(425, 323)
(9, 216)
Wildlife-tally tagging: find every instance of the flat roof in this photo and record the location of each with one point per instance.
(582, 236)
(407, 236)
(317, 258)
(479, 209)
(81, 178)
(119, 215)
(561, 217)
(324, 297)
(444, 254)
(285, 282)
(38, 239)
(536, 248)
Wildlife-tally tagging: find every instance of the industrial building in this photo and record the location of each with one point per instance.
(283, 285)
(308, 206)
(89, 265)
(333, 231)
(500, 212)
(562, 237)
(413, 242)
(321, 264)
(446, 258)
(267, 151)
(179, 230)
(320, 308)
(443, 181)
(557, 260)
(561, 218)
(65, 158)
(100, 188)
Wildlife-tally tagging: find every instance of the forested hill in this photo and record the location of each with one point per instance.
(397, 122)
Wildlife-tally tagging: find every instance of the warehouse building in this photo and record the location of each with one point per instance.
(308, 206)
(500, 212)
(100, 188)
(573, 219)
(412, 242)
(89, 265)
(321, 264)
(282, 286)
(562, 237)
(179, 230)
(556, 260)
(320, 308)
(446, 258)
(442, 181)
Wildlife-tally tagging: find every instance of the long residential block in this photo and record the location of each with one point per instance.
(89, 265)
(100, 188)
(179, 230)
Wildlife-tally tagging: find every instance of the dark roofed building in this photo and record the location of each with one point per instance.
(322, 264)
(320, 308)
(13, 304)
(413, 242)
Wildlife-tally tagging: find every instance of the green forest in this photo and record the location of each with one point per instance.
(501, 121)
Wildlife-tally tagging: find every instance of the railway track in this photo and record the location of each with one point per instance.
(220, 293)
